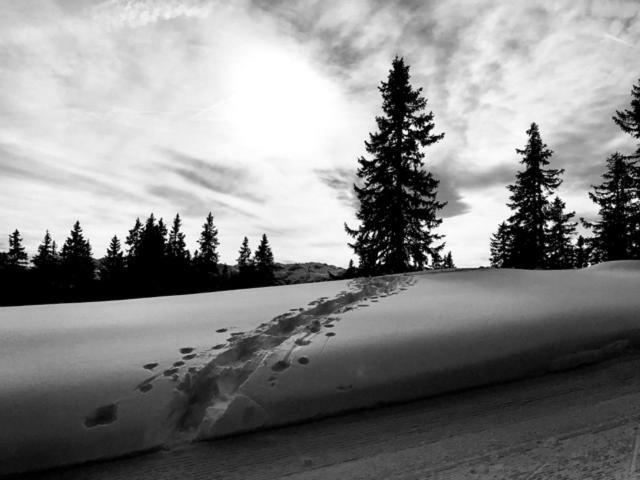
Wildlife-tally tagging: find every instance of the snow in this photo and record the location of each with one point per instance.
(74, 388)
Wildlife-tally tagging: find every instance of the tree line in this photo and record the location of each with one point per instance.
(398, 214)
(153, 261)
(540, 233)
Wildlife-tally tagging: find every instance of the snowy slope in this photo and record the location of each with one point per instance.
(74, 386)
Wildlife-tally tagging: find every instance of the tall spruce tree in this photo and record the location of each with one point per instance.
(618, 198)
(398, 206)
(629, 119)
(77, 263)
(208, 242)
(529, 201)
(263, 261)
(17, 255)
(501, 247)
(560, 231)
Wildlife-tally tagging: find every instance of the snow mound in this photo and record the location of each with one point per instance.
(129, 376)
(616, 266)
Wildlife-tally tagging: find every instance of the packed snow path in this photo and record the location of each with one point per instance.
(90, 381)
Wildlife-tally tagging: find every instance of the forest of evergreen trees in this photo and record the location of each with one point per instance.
(398, 212)
(541, 234)
(153, 261)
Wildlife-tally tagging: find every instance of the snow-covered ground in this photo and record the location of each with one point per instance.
(87, 381)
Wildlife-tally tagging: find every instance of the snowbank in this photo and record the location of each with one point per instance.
(89, 381)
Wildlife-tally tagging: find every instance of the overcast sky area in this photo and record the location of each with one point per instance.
(258, 111)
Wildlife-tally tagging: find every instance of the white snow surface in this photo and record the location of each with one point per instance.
(74, 387)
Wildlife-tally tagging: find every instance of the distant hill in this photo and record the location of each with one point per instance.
(290, 273)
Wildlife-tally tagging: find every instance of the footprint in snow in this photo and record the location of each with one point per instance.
(280, 366)
(150, 366)
(330, 334)
(184, 350)
(314, 327)
(302, 342)
(145, 387)
(102, 416)
(221, 330)
(189, 357)
(170, 371)
(303, 360)
(179, 363)
(219, 346)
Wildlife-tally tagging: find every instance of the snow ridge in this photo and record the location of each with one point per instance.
(206, 401)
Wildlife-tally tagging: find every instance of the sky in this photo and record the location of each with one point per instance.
(257, 111)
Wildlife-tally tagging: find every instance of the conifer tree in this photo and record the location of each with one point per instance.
(629, 119)
(113, 266)
(176, 245)
(560, 231)
(133, 239)
(208, 243)
(501, 246)
(178, 258)
(616, 232)
(46, 261)
(77, 262)
(263, 261)
(16, 256)
(245, 263)
(529, 201)
(447, 261)
(398, 206)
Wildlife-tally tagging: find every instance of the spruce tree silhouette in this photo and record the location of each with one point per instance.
(112, 269)
(46, 256)
(17, 256)
(206, 261)
(618, 198)
(178, 259)
(78, 267)
(133, 239)
(501, 247)
(529, 201)
(560, 231)
(149, 260)
(245, 264)
(45, 271)
(398, 206)
(264, 265)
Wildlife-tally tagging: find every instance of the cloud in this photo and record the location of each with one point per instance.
(216, 177)
(341, 181)
(139, 13)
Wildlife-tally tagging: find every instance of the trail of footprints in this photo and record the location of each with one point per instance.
(108, 413)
